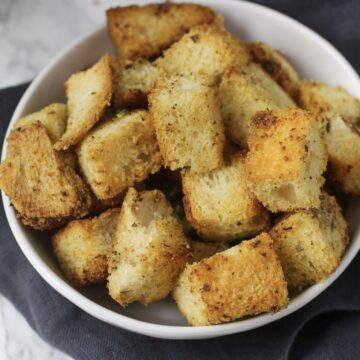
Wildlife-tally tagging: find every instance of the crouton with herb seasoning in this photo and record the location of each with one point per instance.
(133, 80)
(286, 160)
(186, 116)
(149, 250)
(88, 92)
(206, 51)
(121, 151)
(204, 249)
(219, 205)
(276, 65)
(319, 97)
(311, 243)
(53, 117)
(82, 248)
(145, 31)
(44, 191)
(242, 93)
(244, 280)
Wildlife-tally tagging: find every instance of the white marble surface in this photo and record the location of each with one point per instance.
(31, 33)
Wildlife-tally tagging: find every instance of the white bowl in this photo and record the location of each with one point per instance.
(314, 58)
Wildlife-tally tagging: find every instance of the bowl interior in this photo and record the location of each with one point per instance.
(312, 57)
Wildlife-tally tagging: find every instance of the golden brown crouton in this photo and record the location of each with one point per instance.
(275, 64)
(188, 124)
(145, 31)
(132, 83)
(52, 117)
(121, 151)
(44, 191)
(83, 246)
(149, 250)
(89, 93)
(286, 159)
(343, 145)
(318, 97)
(206, 51)
(219, 205)
(204, 249)
(243, 92)
(310, 244)
(246, 279)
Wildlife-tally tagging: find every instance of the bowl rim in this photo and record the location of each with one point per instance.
(144, 327)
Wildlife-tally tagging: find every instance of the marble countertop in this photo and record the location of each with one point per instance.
(31, 33)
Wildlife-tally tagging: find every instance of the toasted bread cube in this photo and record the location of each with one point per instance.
(132, 83)
(286, 159)
(343, 145)
(318, 98)
(219, 205)
(246, 279)
(206, 51)
(149, 250)
(145, 31)
(121, 151)
(204, 249)
(89, 93)
(188, 124)
(44, 191)
(275, 64)
(243, 92)
(311, 243)
(53, 117)
(82, 248)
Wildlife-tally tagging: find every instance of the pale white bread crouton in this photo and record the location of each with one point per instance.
(343, 146)
(187, 120)
(275, 64)
(243, 92)
(219, 205)
(311, 243)
(286, 160)
(44, 191)
(89, 93)
(133, 80)
(246, 279)
(121, 151)
(82, 248)
(145, 31)
(53, 117)
(149, 250)
(204, 249)
(318, 97)
(205, 51)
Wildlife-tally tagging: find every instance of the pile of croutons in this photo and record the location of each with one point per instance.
(189, 164)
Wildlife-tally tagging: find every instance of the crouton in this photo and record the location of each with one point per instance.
(188, 124)
(206, 51)
(149, 250)
(318, 97)
(286, 159)
(311, 243)
(246, 279)
(219, 205)
(204, 249)
(89, 93)
(132, 83)
(44, 191)
(145, 31)
(53, 117)
(243, 92)
(343, 145)
(275, 64)
(83, 246)
(121, 151)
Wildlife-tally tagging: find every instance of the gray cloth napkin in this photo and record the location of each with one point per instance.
(327, 328)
